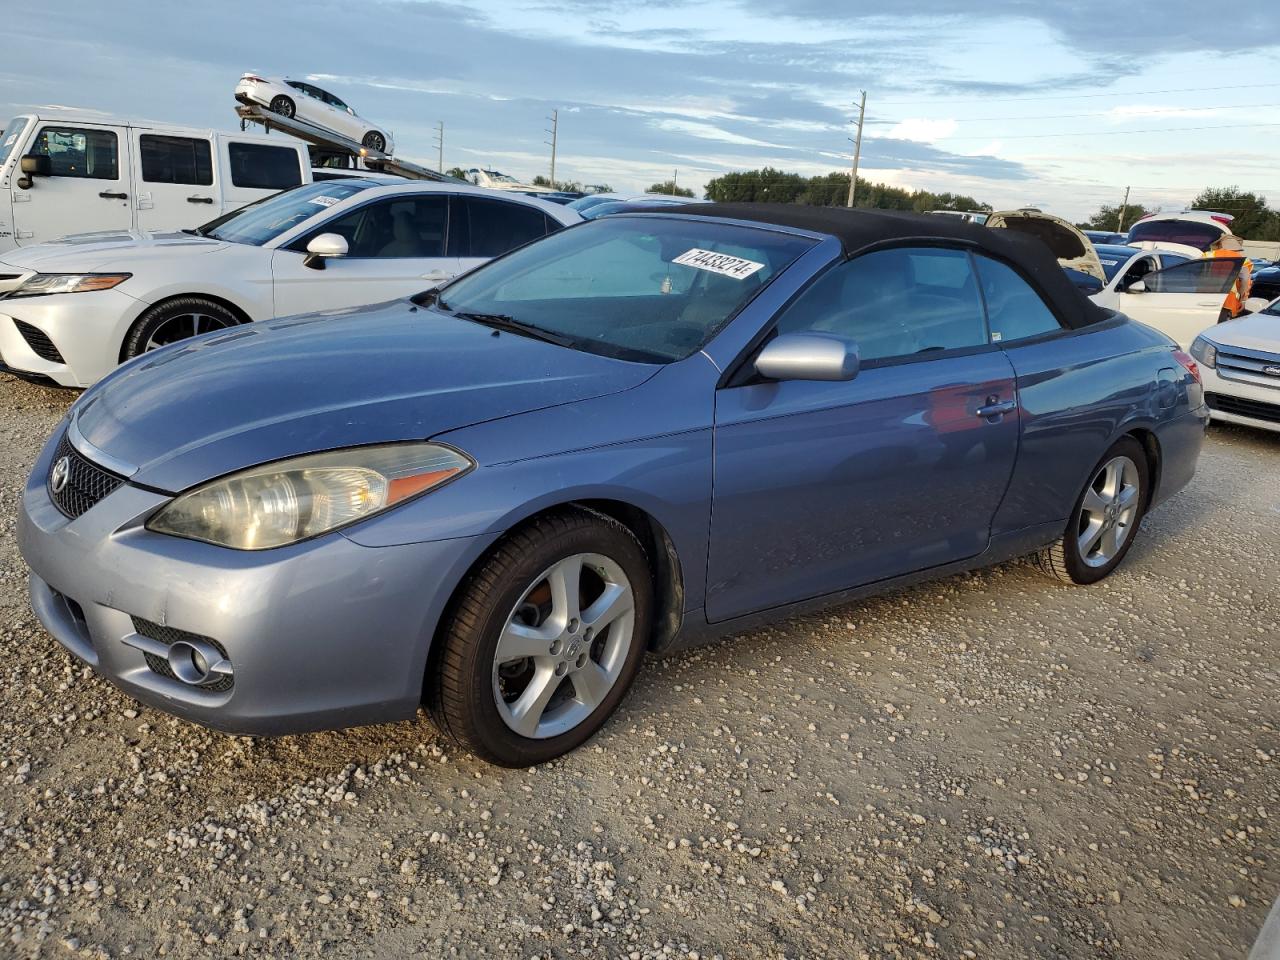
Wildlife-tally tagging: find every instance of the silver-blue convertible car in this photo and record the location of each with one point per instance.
(631, 436)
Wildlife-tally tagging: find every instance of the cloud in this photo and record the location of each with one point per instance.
(707, 131)
(922, 130)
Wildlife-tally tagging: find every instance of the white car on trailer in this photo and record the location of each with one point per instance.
(306, 101)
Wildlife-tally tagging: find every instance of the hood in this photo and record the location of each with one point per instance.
(280, 388)
(93, 251)
(1068, 244)
(1254, 331)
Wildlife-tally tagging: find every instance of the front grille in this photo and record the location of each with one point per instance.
(39, 342)
(1257, 409)
(171, 635)
(87, 483)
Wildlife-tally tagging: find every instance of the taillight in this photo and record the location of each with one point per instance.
(1190, 364)
(1225, 221)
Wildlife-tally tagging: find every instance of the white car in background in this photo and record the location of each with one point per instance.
(1191, 232)
(304, 100)
(1168, 290)
(72, 310)
(1240, 362)
(496, 180)
(595, 205)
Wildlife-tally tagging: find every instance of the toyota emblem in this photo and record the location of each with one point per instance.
(60, 474)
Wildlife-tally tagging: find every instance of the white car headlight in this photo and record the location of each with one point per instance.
(1205, 352)
(45, 283)
(291, 500)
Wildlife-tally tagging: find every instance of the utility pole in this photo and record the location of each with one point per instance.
(1124, 208)
(440, 146)
(554, 131)
(675, 175)
(857, 148)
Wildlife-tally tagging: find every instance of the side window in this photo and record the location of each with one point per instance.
(895, 303)
(262, 167)
(399, 227)
(1209, 276)
(91, 154)
(1137, 270)
(492, 227)
(176, 160)
(1015, 310)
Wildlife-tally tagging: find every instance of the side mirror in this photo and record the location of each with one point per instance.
(1255, 304)
(323, 247)
(34, 165)
(1138, 286)
(808, 356)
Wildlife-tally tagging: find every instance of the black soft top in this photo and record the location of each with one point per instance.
(860, 230)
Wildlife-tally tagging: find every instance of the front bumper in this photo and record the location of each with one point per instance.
(84, 330)
(320, 635)
(1241, 402)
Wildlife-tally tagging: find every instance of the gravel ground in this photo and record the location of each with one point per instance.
(989, 766)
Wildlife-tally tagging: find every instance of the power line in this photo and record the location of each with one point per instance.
(1080, 96)
(1104, 113)
(1109, 133)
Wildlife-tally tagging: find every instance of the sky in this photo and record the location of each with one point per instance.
(1015, 102)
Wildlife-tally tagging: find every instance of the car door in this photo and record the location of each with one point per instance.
(88, 187)
(174, 178)
(821, 486)
(482, 228)
(395, 248)
(1182, 300)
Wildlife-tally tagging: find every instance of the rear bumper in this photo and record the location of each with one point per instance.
(321, 635)
(1180, 443)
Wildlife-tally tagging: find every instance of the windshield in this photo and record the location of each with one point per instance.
(267, 219)
(10, 136)
(1272, 309)
(1113, 258)
(643, 288)
(1191, 232)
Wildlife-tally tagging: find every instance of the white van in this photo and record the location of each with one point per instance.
(65, 173)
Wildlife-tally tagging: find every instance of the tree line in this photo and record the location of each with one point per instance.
(830, 190)
(1254, 219)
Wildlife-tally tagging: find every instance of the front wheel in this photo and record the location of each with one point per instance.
(375, 141)
(544, 639)
(175, 320)
(1106, 517)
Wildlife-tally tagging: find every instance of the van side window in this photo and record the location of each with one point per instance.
(263, 167)
(72, 152)
(176, 160)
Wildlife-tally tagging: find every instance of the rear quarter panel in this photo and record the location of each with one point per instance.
(1080, 392)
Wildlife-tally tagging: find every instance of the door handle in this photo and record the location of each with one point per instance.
(1208, 303)
(108, 195)
(437, 275)
(996, 408)
(199, 199)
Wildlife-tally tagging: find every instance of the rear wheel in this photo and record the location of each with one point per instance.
(544, 640)
(283, 106)
(375, 141)
(1105, 520)
(175, 320)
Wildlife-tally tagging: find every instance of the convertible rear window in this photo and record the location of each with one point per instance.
(645, 288)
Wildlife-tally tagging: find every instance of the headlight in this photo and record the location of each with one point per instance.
(1205, 352)
(291, 500)
(46, 283)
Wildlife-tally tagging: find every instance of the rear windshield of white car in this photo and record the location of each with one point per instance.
(1190, 232)
(649, 289)
(267, 219)
(10, 137)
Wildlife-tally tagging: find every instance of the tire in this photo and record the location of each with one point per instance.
(375, 141)
(173, 321)
(1085, 553)
(283, 106)
(487, 695)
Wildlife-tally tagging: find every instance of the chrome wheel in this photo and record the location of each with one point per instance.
(283, 106)
(564, 646)
(1109, 511)
(375, 141)
(184, 326)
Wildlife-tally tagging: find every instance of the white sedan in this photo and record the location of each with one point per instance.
(1241, 368)
(72, 310)
(306, 101)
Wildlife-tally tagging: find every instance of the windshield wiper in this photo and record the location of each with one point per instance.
(500, 321)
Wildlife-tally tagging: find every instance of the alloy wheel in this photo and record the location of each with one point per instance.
(183, 326)
(564, 646)
(1109, 511)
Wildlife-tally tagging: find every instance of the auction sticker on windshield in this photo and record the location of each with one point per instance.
(721, 263)
(325, 201)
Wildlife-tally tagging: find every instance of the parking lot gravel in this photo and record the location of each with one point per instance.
(994, 765)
